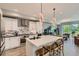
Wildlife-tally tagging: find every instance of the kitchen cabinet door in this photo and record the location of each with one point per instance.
(32, 27)
(7, 43)
(15, 42)
(11, 24)
(12, 42)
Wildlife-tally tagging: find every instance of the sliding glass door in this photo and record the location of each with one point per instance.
(71, 29)
(75, 29)
(66, 28)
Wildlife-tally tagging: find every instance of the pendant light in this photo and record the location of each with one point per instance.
(41, 17)
(41, 20)
(54, 17)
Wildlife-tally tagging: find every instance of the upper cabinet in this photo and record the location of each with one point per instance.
(23, 23)
(10, 24)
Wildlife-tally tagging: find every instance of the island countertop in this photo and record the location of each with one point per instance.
(43, 40)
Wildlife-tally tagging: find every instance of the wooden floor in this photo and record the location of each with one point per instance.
(19, 51)
(70, 49)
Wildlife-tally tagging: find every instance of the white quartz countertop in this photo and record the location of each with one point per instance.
(43, 40)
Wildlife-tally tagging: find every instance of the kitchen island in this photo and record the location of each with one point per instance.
(33, 45)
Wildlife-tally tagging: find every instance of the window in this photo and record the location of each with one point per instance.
(67, 28)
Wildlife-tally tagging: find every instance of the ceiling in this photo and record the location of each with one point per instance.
(63, 10)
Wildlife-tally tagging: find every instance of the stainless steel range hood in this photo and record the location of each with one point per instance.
(15, 14)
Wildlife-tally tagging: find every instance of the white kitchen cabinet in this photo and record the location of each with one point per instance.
(15, 42)
(10, 24)
(7, 43)
(12, 42)
(32, 27)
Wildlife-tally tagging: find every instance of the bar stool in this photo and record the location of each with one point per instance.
(41, 51)
(60, 47)
(55, 48)
(51, 48)
(44, 50)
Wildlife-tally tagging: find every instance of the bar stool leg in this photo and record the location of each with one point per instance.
(63, 50)
(43, 52)
(50, 52)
